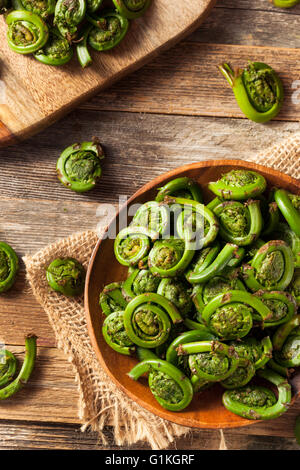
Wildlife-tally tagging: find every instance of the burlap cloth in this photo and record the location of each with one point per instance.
(100, 401)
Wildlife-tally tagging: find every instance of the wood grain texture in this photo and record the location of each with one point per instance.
(259, 5)
(185, 80)
(37, 95)
(52, 381)
(34, 436)
(249, 27)
(138, 148)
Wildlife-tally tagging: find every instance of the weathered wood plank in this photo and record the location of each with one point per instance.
(260, 5)
(138, 147)
(249, 27)
(50, 395)
(29, 226)
(185, 80)
(32, 436)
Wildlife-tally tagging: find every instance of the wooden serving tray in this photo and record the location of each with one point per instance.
(34, 95)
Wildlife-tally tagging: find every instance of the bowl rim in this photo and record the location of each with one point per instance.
(164, 177)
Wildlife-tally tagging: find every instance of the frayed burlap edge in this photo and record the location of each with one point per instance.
(284, 156)
(100, 402)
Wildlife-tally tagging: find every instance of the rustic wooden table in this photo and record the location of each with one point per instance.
(159, 118)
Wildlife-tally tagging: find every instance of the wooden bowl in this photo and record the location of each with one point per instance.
(206, 409)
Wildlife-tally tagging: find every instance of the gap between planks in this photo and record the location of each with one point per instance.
(198, 88)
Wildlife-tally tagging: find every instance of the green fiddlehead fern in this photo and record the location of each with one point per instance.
(237, 259)
(153, 216)
(258, 352)
(108, 30)
(68, 15)
(67, 276)
(56, 51)
(286, 343)
(230, 315)
(239, 185)
(284, 371)
(43, 8)
(192, 323)
(201, 334)
(253, 355)
(272, 267)
(178, 292)
(195, 223)
(176, 329)
(214, 203)
(140, 281)
(294, 287)
(23, 376)
(181, 362)
(170, 387)
(285, 3)
(9, 266)
(239, 223)
(115, 335)
(180, 187)
(202, 260)
(227, 254)
(83, 55)
(282, 305)
(220, 284)
(148, 318)
(111, 298)
(257, 402)
(78, 167)
(132, 9)
(257, 88)
(132, 244)
(27, 32)
(284, 232)
(8, 367)
(170, 257)
(241, 376)
(289, 206)
(211, 361)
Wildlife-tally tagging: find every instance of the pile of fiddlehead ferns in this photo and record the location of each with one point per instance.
(212, 293)
(50, 29)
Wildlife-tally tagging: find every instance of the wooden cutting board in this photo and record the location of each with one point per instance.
(34, 95)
